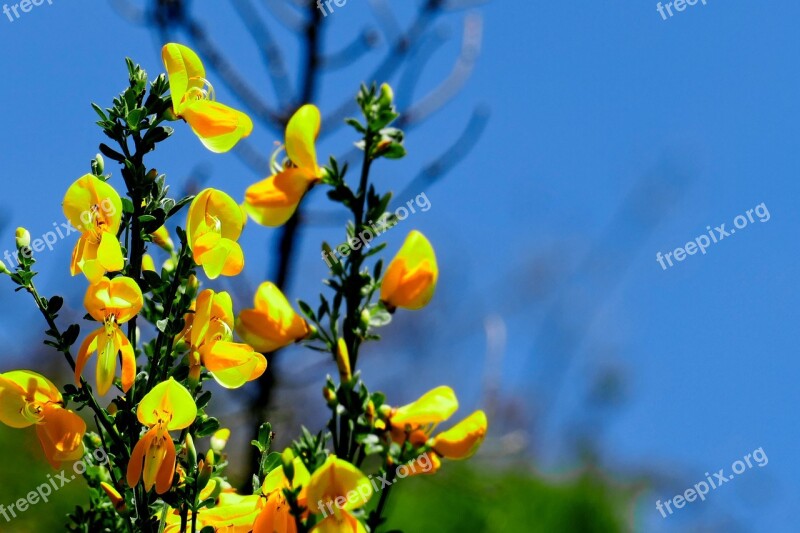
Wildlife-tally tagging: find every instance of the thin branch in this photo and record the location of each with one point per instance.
(273, 56)
(365, 42)
(462, 70)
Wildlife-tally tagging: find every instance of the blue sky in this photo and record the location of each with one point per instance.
(587, 102)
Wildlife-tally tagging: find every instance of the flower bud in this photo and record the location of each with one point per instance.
(219, 439)
(343, 361)
(410, 278)
(4, 268)
(387, 95)
(116, 498)
(98, 165)
(329, 395)
(161, 238)
(191, 451)
(23, 238)
(151, 175)
(205, 474)
(169, 265)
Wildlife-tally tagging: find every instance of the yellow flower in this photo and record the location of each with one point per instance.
(336, 488)
(410, 278)
(276, 515)
(218, 126)
(110, 302)
(416, 422)
(214, 224)
(28, 398)
(148, 263)
(462, 440)
(210, 330)
(233, 513)
(168, 407)
(272, 201)
(431, 408)
(161, 238)
(273, 323)
(95, 209)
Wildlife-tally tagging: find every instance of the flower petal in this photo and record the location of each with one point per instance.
(432, 407)
(218, 126)
(301, 132)
(168, 398)
(273, 201)
(462, 440)
(185, 71)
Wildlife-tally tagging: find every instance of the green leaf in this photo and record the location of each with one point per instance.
(54, 304)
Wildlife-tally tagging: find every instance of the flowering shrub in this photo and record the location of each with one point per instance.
(160, 375)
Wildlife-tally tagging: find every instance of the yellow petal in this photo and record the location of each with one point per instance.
(216, 205)
(335, 479)
(462, 440)
(169, 400)
(148, 263)
(107, 350)
(273, 323)
(301, 132)
(344, 523)
(411, 277)
(87, 348)
(218, 126)
(185, 71)
(136, 463)
(61, 435)
(91, 204)
(432, 407)
(224, 257)
(276, 480)
(161, 238)
(18, 389)
(120, 297)
(166, 470)
(110, 253)
(273, 201)
(232, 365)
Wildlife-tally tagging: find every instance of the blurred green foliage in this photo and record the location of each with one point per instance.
(24, 468)
(461, 497)
(466, 498)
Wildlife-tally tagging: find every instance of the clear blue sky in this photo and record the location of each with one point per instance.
(587, 100)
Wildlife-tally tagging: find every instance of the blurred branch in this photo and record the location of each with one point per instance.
(273, 56)
(365, 42)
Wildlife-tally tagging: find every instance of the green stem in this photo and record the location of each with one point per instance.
(354, 283)
(374, 520)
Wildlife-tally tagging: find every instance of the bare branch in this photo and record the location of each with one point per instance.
(365, 42)
(447, 90)
(273, 56)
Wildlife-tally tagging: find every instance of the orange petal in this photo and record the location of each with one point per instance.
(218, 126)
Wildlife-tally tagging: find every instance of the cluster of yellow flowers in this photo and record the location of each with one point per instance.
(213, 226)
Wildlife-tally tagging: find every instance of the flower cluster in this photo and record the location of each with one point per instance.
(170, 339)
